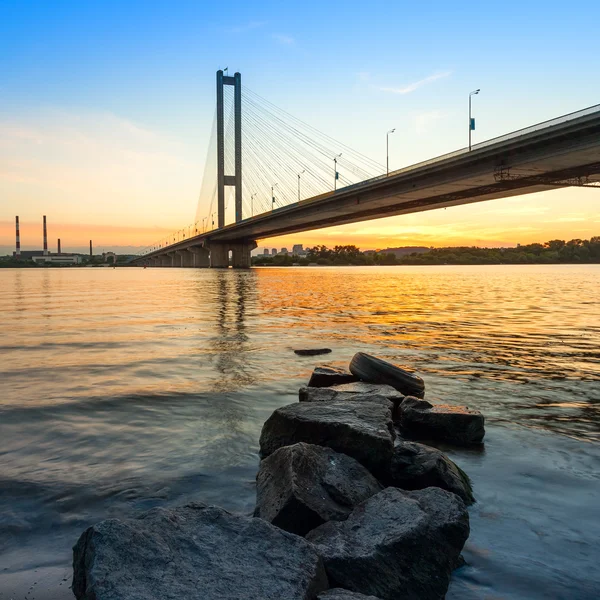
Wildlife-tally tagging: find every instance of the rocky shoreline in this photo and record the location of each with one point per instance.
(350, 504)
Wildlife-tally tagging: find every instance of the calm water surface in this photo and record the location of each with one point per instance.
(124, 389)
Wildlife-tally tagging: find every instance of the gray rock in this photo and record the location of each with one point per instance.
(362, 430)
(340, 594)
(397, 545)
(359, 390)
(302, 486)
(416, 466)
(325, 376)
(456, 424)
(195, 552)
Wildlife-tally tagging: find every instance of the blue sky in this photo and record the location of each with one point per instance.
(122, 77)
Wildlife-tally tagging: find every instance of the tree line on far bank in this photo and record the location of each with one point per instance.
(574, 251)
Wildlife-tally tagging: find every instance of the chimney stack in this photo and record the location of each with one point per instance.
(59, 245)
(18, 252)
(45, 238)
(91, 253)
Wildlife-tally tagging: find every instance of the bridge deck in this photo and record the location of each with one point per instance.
(558, 153)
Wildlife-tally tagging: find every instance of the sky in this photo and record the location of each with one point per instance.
(106, 107)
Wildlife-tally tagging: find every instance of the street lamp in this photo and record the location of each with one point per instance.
(213, 219)
(273, 195)
(252, 204)
(335, 171)
(471, 120)
(303, 171)
(387, 150)
(203, 226)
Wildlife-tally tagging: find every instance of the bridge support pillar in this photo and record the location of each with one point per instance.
(200, 257)
(219, 256)
(241, 255)
(185, 258)
(165, 260)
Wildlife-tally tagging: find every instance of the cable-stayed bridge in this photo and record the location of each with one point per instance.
(268, 174)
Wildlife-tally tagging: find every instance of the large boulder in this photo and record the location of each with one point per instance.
(325, 376)
(302, 486)
(398, 545)
(456, 424)
(362, 430)
(340, 594)
(416, 466)
(195, 552)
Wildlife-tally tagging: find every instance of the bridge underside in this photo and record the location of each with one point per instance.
(564, 155)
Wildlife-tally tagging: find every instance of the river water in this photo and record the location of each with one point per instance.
(125, 389)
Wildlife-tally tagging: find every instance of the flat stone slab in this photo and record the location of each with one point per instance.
(312, 351)
(302, 486)
(396, 545)
(358, 390)
(416, 466)
(362, 430)
(456, 424)
(340, 594)
(194, 552)
(325, 376)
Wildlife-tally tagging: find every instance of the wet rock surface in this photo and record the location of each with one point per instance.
(341, 594)
(362, 430)
(326, 376)
(198, 552)
(302, 486)
(416, 466)
(312, 351)
(398, 545)
(456, 424)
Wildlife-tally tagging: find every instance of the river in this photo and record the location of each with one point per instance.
(124, 389)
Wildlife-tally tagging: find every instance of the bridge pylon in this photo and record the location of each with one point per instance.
(224, 179)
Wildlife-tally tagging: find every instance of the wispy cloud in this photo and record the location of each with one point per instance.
(284, 40)
(424, 121)
(411, 87)
(246, 27)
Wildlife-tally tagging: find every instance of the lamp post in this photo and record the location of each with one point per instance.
(273, 195)
(303, 171)
(387, 150)
(252, 204)
(213, 219)
(203, 226)
(335, 171)
(471, 120)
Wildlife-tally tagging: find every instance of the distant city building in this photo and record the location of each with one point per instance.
(274, 252)
(55, 259)
(297, 249)
(404, 251)
(265, 252)
(284, 251)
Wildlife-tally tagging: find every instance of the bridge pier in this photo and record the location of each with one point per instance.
(219, 256)
(241, 255)
(200, 257)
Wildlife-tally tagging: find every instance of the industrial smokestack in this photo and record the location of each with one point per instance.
(91, 253)
(59, 245)
(18, 252)
(45, 238)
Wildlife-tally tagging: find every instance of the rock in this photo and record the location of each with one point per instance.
(302, 486)
(362, 430)
(416, 466)
(326, 376)
(358, 390)
(312, 351)
(456, 424)
(396, 545)
(195, 552)
(376, 370)
(340, 594)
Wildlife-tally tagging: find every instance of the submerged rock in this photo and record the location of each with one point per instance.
(358, 390)
(362, 430)
(326, 376)
(456, 424)
(416, 466)
(302, 486)
(341, 594)
(396, 545)
(312, 351)
(195, 552)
